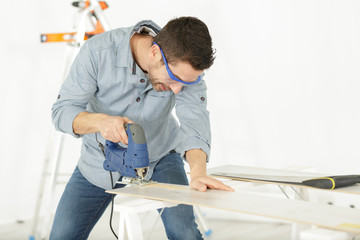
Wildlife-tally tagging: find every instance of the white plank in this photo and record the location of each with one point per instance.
(332, 217)
(273, 176)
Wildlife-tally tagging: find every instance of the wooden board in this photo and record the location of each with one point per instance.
(273, 176)
(332, 217)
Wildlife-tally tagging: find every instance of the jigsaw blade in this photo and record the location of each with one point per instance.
(135, 181)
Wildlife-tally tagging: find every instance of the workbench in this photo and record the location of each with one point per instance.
(298, 210)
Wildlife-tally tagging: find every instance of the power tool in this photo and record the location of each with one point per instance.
(333, 181)
(131, 162)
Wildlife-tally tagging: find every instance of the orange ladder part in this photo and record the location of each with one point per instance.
(70, 36)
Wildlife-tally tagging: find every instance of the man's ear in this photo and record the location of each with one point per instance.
(154, 53)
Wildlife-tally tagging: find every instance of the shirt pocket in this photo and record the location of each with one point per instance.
(157, 105)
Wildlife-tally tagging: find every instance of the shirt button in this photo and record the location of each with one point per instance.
(202, 99)
(142, 80)
(138, 99)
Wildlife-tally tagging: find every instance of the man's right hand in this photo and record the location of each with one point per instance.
(110, 127)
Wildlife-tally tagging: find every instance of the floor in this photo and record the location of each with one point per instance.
(222, 228)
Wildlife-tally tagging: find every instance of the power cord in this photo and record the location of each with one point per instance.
(112, 197)
(112, 186)
(112, 207)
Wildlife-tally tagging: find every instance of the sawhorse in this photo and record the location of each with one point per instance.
(130, 209)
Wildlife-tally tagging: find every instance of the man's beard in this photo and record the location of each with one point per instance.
(157, 85)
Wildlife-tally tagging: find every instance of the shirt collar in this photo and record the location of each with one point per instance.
(127, 60)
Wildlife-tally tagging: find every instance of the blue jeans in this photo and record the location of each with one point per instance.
(82, 205)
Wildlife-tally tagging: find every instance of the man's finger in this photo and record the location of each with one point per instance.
(226, 188)
(216, 184)
(121, 129)
(199, 186)
(127, 120)
(122, 133)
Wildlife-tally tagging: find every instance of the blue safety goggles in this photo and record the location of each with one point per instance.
(172, 76)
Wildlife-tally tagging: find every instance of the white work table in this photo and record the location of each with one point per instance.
(292, 210)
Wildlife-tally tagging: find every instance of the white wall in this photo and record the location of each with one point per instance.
(284, 89)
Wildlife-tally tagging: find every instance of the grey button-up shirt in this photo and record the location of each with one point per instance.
(104, 78)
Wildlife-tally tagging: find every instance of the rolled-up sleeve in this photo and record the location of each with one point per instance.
(76, 92)
(194, 119)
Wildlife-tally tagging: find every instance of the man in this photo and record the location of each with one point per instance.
(137, 74)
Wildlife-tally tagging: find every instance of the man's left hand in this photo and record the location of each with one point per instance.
(201, 183)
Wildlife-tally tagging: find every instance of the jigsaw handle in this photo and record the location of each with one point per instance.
(135, 132)
(113, 151)
(127, 160)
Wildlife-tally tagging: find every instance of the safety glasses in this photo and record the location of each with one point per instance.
(171, 75)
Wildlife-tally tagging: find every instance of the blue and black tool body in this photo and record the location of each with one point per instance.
(132, 161)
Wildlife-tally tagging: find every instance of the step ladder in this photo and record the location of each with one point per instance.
(90, 14)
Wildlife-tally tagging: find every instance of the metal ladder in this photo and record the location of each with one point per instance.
(89, 11)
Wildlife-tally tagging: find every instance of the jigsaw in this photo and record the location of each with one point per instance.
(131, 162)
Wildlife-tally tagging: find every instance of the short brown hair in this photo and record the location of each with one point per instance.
(187, 39)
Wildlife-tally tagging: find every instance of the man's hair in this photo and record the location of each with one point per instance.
(187, 39)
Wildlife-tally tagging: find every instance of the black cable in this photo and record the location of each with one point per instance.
(112, 186)
(112, 207)
(101, 147)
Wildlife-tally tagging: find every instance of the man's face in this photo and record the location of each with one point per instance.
(160, 78)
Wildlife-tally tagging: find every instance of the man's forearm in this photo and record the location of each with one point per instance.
(110, 127)
(197, 162)
(86, 122)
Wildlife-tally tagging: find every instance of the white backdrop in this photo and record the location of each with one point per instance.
(284, 89)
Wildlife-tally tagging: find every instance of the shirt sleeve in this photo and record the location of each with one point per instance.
(194, 119)
(77, 90)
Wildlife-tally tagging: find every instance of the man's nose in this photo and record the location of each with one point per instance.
(175, 87)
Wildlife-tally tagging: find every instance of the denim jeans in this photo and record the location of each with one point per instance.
(82, 205)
